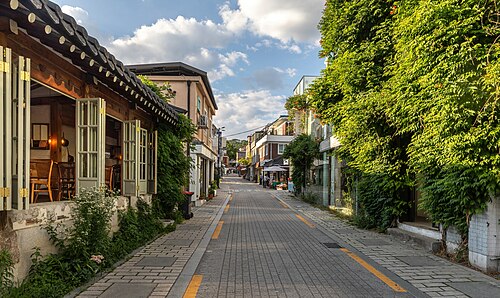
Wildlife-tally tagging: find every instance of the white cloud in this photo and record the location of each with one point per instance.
(288, 21)
(79, 14)
(233, 20)
(226, 64)
(291, 72)
(202, 43)
(197, 43)
(247, 110)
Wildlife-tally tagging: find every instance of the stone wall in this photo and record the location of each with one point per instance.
(23, 230)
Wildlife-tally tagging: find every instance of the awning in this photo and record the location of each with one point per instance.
(274, 169)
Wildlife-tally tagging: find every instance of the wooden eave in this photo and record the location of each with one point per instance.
(45, 21)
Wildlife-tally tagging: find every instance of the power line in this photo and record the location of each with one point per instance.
(242, 132)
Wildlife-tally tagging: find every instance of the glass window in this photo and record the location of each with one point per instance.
(281, 148)
(198, 104)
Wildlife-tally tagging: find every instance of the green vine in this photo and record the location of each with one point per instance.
(174, 166)
(412, 90)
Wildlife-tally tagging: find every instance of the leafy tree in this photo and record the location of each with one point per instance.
(244, 161)
(301, 151)
(232, 147)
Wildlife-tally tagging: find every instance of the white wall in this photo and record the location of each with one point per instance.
(40, 114)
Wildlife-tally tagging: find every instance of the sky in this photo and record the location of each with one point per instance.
(254, 51)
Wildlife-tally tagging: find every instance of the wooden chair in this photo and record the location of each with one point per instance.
(41, 179)
(109, 173)
(67, 180)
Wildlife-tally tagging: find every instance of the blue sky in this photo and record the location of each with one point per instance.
(255, 51)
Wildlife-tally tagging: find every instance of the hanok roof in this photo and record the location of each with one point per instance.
(173, 69)
(46, 21)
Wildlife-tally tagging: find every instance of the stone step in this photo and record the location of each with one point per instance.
(428, 243)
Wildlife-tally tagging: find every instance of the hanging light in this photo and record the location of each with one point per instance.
(64, 141)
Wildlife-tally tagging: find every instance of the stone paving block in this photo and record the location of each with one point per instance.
(136, 290)
(373, 242)
(420, 261)
(476, 289)
(156, 261)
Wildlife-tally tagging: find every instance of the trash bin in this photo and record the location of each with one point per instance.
(186, 205)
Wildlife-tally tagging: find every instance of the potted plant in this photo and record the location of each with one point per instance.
(211, 192)
(213, 185)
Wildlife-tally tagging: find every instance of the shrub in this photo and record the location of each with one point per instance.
(6, 275)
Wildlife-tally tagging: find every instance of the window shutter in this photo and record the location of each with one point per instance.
(143, 161)
(152, 162)
(131, 136)
(90, 142)
(5, 129)
(21, 134)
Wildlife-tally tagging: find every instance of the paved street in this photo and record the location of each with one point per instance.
(254, 242)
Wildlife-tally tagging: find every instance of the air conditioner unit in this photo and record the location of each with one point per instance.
(203, 121)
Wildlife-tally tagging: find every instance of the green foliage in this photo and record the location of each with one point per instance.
(232, 147)
(83, 249)
(6, 268)
(301, 151)
(137, 227)
(163, 91)
(411, 89)
(296, 103)
(380, 201)
(174, 165)
(244, 161)
(87, 247)
(310, 198)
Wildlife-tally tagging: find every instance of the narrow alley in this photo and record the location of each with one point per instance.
(255, 242)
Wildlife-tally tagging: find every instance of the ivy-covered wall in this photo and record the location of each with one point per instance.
(412, 91)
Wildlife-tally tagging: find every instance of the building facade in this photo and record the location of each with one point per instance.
(193, 94)
(325, 177)
(72, 117)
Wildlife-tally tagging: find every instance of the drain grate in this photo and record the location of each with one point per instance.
(332, 245)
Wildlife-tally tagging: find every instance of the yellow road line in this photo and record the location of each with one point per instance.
(226, 209)
(193, 286)
(374, 271)
(216, 233)
(305, 221)
(283, 204)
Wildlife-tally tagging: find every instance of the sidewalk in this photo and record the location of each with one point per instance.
(429, 273)
(153, 271)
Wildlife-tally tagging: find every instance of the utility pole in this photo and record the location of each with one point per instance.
(219, 153)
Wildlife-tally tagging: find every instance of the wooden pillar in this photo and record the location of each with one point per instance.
(55, 130)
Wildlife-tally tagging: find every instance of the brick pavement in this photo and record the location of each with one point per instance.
(265, 250)
(429, 273)
(152, 271)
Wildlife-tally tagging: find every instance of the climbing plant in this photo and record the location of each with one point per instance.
(411, 89)
(174, 164)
